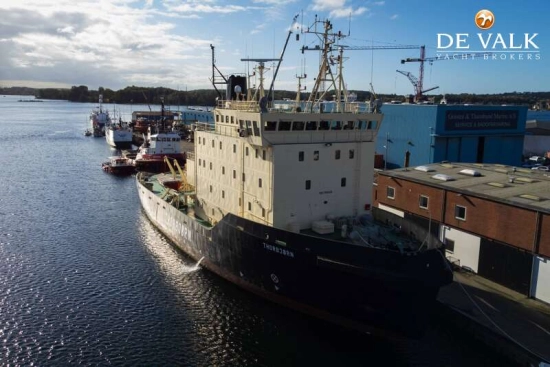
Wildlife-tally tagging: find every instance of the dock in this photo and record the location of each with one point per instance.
(512, 324)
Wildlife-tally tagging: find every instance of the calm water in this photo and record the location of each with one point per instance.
(86, 280)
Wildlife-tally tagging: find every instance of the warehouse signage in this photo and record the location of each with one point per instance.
(480, 120)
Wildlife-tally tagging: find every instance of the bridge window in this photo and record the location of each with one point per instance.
(308, 184)
(284, 125)
(349, 125)
(270, 126)
(351, 153)
(324, 125)
(311, 125)
(300, 156)
(256, 128)
(362, 125)
(343, 182)
(337, 154)
(316, 155)
(336, 125)
(298, 126)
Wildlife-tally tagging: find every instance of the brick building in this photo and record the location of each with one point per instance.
(494, 219)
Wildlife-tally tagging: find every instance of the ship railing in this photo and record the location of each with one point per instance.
(250, 106)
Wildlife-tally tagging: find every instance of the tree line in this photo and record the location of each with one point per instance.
(207, 97)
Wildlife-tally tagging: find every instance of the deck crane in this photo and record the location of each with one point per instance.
(419, 83)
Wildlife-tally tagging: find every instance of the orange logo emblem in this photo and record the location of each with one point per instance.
(485, 19)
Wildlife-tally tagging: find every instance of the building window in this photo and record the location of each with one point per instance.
(300, 156)
(343, 182)
(449, 245)
(460, 212)
(234, 148)
(308, 184)
(316, 155)
(390, 192)
(337, 154)
(234, 174)
(246, 150)
(263, 154)
(223, 170)
(259, 182)
(351, 153)
(223, 194)
(249, 206)
(423, 202)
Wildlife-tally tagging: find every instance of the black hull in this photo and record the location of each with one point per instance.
(369, 289)
(123, 145)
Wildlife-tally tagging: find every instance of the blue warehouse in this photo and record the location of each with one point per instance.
(422, 134)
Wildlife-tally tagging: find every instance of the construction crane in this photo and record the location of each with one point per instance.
(419, 83)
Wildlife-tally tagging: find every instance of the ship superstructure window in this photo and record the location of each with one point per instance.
(223, 170)
(204, 163)
(270, 126)
(362, 125)
(390, 192)
(263, 154)
(213, 143)
(351, 153)
(223, 194)
(337, 154)
(200, 137)
(311, 125)
(308, 184)
(298, 126)
(460, 212)
(336, 125)
(259, 182)
(300, 156)
(316, 155)
(210, 166)
(200, 160)
(244, 177)
(348, 125)
(423, 202)
(220, 145)
(232, 120)
(343, 182)
(323, 125)
(257, 153)
(249, 206)
(234, 174)
(284, 125)
(246, 150)
(226, 119)
(263, 212)
(234, 148)
(256, 128)
(210, 188)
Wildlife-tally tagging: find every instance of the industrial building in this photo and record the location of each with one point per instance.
(494, 219)
(424, 134)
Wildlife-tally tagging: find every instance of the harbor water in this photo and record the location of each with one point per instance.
(86, 280)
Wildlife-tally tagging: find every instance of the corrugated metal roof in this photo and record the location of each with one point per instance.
(512, 185)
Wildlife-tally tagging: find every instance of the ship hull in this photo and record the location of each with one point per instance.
(119, 139)
(369, 289)
(155, 162)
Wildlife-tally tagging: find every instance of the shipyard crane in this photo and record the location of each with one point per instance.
(419, 83)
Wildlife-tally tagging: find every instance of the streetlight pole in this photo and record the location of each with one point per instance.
(386, 154)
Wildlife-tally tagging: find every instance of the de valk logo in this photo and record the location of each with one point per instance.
(485, 19)
(487, 44)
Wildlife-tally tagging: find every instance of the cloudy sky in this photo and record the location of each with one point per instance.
(116, 43)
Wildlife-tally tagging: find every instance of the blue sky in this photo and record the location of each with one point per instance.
(117, 43)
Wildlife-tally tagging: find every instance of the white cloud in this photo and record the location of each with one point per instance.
(337, 8)
(379, 3)
(394, 17)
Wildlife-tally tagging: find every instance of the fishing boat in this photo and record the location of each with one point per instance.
(119, 134)
(99, 118)
(279, 203)
(119, 165)
(161, 141)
